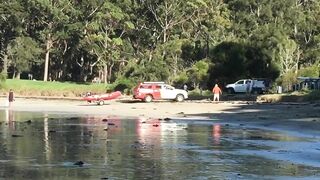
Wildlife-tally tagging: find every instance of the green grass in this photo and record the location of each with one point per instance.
(40, 88)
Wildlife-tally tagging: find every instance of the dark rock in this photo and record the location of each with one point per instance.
(28, 121)
(111, 124)
(16, 135)
(155, 125)
(255, 137)
(105, 120)
(262, 117)
(78, 163)
(167, 119)
(52, 131)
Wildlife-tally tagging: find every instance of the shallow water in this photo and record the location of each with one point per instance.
(53, 146)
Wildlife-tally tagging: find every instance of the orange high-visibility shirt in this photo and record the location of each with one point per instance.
(216, 90)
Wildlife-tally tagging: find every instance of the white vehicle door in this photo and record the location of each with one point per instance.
(240, 86)
(167, 92)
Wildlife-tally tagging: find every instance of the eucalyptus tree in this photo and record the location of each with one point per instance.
(163, 17)
(297, 41)
(210, 25)
(12, 17)
(104, 36)
(165, 25)
(198, 73)
(49, 19)
(305, 20)
(286, 30)
(23, 52)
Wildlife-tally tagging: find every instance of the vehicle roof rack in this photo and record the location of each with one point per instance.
(153, 82)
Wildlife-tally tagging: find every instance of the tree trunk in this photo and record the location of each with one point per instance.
(297, 61)
(18, 75)
(5, 65)
(46, 64)
(105, 74)
(110, 72)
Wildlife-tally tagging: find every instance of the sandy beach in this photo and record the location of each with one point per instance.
(125, 107)
(284, 116)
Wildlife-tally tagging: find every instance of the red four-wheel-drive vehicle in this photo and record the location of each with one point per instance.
(149, 91)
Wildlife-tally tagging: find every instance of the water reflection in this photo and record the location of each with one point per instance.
(143, 148)
(10, 118)
(216, 133)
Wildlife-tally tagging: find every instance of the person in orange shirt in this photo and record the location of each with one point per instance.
(216, 92)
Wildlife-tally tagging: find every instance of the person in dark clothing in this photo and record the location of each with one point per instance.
(10, 97)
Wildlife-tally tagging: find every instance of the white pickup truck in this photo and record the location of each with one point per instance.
(254, 86)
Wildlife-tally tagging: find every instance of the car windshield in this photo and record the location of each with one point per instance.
(146, 86)
(239, 82)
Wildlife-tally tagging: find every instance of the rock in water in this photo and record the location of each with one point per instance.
(78, 163)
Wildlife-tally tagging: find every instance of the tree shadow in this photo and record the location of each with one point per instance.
(226, 97)
(296, 117)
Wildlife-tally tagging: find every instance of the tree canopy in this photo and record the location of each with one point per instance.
(198, 42)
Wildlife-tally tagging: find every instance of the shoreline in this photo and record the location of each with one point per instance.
(134, 107)
(120, 107)
(282, 116)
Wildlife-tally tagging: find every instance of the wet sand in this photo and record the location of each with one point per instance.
(286, 116)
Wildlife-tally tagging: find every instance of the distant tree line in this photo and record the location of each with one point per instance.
(198, 42)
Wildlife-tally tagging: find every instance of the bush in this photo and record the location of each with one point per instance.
(199, 92)
(2, 79)
(123, 85)
(181, 79)
(287, 80)
(312, 71)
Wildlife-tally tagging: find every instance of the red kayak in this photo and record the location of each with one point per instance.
(99, 99)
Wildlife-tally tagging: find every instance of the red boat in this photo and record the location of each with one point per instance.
(99, 99)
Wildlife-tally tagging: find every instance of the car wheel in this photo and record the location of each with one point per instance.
(179, 98)
(100, 103)
(148, 98)
(230, 90)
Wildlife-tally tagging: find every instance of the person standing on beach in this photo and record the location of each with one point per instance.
(185, 87)
(248, 87)
(10, 97)
(216, 92)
